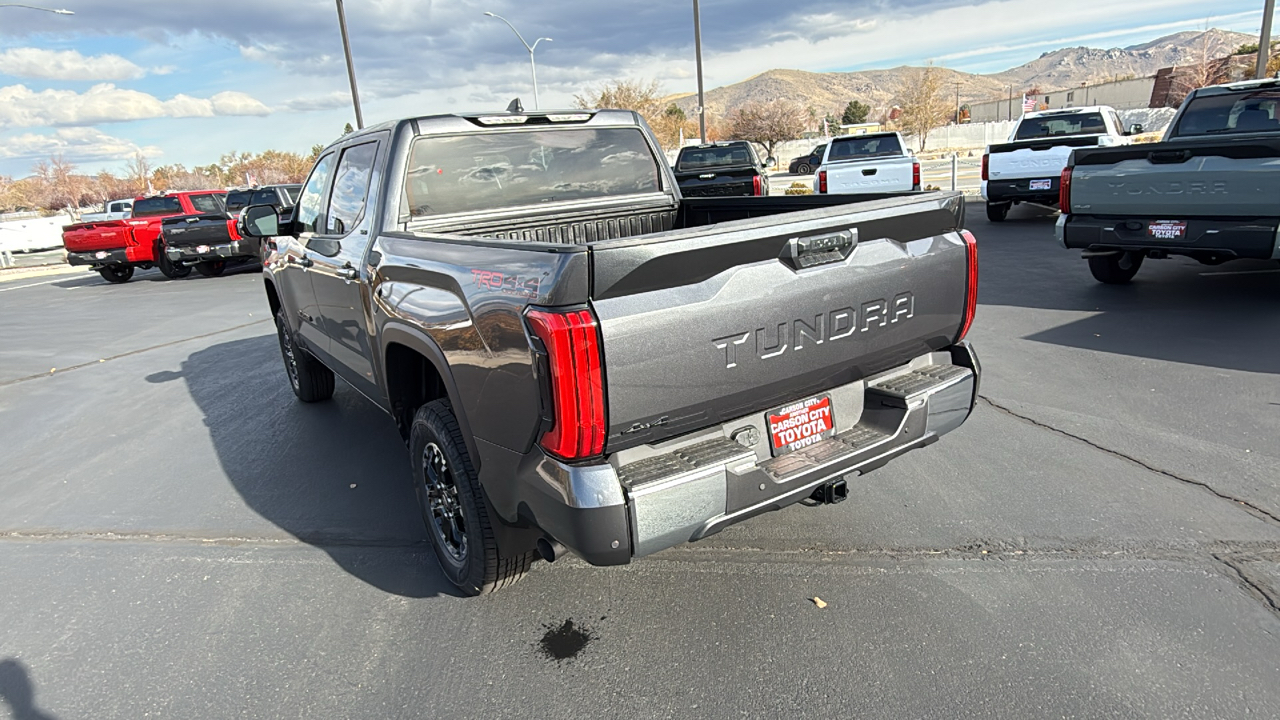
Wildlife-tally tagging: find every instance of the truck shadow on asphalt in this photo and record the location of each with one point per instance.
(17, 690)
(334, 475)
(1224, 316)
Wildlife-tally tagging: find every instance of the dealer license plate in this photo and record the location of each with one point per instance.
(1167, 229)
(1041, 184)
(800, 424)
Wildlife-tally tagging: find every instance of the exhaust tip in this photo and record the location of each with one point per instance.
(550, 550)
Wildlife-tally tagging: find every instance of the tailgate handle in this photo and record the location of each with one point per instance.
(1168, 157)
(872, 171)
(191, 220)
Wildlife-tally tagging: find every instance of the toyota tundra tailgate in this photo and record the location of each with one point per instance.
(704, 325)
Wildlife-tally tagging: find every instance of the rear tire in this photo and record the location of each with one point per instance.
(310, 379)
(804, 169)
(116, 273)
(211, 268)
(997, 212)
(1115, 269)
(167, 268)
(453, 506)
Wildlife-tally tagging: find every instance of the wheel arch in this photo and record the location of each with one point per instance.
(273, 296)
(417, 372)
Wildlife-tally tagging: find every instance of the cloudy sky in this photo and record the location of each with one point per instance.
(184, 82)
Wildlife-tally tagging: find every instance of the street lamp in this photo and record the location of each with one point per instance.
(532, 65)
(351, 68)
(697, 51)
(33, 7)
(1264, 39)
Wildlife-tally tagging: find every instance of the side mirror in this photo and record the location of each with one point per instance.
(771, 161)
(260, 221)
(1135, 129)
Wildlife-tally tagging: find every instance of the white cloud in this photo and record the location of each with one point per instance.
(66, 65)
(75, 144)
(23, 107)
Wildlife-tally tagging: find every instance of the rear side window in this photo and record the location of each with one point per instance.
(488, 171)
(292, 191)
(207, 203)
(311, 201)
(120, 207)
(265, 197)
(350, 187)
(1058, 125)
(864, 147)
(238, 200)
(153, 206)
(1251, 112)
(698, 158)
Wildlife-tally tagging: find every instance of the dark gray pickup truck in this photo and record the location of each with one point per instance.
(1209, 190)
(580, 358)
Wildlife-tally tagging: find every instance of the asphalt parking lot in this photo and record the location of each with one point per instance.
(180, 538)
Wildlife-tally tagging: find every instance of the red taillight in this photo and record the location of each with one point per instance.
(757, 186)
(572, 341)
(232, 230)
(1064, 191)
(971, 282)
(986, 160)
(822, 181)
(915, 176)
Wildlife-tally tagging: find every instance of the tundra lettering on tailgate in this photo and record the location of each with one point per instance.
(838, 324)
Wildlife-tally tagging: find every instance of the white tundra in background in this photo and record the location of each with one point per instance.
(871, 163)
(113, 210)
(1029, 166)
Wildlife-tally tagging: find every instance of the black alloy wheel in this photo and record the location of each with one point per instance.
(311, 381)
(167, 267)
(454, 508)
(116, 273)
(804, 169)
(443, 509)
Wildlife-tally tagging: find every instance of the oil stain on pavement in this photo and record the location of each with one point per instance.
(564, 641)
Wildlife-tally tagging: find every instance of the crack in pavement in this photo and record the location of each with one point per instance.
(59, 371)
(314, 539)
(1258, 512)
(1249, 584)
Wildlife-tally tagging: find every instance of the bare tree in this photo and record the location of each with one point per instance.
(671, 125)
(1208, 67)
(767, 123)
(137, 173)
(643, 97)
(923, 102)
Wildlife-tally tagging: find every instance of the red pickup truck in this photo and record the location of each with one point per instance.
(116, 247)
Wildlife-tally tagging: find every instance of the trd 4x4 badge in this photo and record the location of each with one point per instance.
(526, 287)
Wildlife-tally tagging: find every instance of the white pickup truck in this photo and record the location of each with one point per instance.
(113, 210)
(1028, 167)
(871, 163)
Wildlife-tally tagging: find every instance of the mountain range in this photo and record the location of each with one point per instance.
(829, 92)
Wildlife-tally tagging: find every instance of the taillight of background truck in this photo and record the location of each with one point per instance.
(757, 186)
(915, 175)
(822, 181)
(1064, 191)
(986, 159)
(971, 287)
(572, 341)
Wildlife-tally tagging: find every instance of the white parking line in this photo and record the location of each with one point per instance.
(19, 287)
(1240, 272)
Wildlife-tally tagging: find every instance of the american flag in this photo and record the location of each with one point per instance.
(1028, 104)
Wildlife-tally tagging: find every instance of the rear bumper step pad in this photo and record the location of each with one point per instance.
(699, 489)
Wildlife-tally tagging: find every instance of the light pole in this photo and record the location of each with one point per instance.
(1264, 39)
(697, 51)
(533, 67)
(351, 69)
(33, 7)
